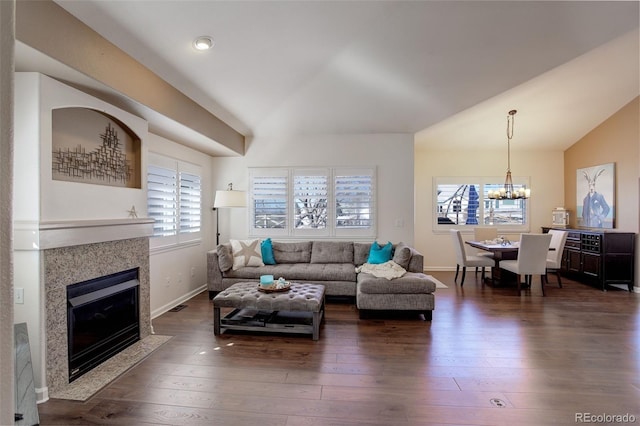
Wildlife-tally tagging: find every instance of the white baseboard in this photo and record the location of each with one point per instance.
(161, 310)
(440, 269)
(42, 395)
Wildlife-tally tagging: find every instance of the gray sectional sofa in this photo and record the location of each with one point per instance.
(333, 264)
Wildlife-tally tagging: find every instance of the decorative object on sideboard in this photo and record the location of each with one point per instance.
(227, 199)
(509, 192)
(560, 217)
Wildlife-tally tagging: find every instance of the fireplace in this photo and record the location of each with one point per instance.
(102, 319)
(67, 265)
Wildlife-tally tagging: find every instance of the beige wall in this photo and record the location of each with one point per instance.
(617, 141)
(545, 170)
(614, 141)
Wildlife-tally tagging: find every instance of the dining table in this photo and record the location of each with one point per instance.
(502, 250)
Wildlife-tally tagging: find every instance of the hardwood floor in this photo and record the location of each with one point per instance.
(489, 357)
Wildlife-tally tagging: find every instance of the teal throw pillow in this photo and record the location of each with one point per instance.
(267, 252)
(380, 254)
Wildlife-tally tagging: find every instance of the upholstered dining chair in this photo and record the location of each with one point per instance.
(484, 233)
(554, 257)
(464, 260)
(532, 258)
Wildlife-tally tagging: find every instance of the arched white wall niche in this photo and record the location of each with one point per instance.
(91, 146)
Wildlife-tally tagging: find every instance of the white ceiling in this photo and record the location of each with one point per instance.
(448, 71)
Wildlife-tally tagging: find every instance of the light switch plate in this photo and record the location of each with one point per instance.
(18, 295)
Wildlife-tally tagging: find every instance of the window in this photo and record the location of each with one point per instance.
(312, 202)
(465, 202)
(162, 200)
(269, 200)
(189, 203)
(310, 199)
(174, 200)
(354, 201)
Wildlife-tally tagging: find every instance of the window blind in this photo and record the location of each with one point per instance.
(318, 202)
(354, 201)
(190, 200)
(269, 196)
(310, 201)
(162, 200)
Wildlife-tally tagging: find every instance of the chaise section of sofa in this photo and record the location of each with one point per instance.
(414, 291)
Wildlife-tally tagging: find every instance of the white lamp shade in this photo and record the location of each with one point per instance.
(230, 199)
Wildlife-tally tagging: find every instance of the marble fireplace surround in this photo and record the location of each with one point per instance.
(63, 266)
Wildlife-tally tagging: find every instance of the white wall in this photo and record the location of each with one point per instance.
(179, 273)
(392, 154)
(62, 200)
(545, 169)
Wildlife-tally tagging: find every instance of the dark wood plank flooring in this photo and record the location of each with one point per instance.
(489, 357)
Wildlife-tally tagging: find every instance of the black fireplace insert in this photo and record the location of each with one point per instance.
(102, 318)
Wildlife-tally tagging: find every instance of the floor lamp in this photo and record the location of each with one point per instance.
(227, 199)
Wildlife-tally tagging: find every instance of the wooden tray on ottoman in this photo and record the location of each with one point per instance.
(273, 288)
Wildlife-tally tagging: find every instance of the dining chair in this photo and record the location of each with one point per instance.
(463, 259)
(484, 233)
(554, 257)
(532, 258)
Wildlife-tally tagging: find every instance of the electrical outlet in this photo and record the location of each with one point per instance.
(18, 295)
(193, 272)
(168, 282)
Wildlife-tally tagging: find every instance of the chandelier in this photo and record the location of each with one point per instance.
(508, 192)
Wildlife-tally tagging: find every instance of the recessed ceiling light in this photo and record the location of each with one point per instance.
(203, 43)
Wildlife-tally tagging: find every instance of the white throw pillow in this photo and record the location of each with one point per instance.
(246, 253)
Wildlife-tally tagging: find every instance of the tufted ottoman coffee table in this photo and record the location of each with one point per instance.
(298, 310)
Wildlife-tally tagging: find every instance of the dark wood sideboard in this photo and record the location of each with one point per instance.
(600, 258)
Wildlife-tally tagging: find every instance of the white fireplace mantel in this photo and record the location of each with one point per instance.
(48, 235)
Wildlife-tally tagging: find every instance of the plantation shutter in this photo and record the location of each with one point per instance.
(354, 201)
(269, 192)
(162, 200)
(190, 201)
(310, 194)
(313, 202)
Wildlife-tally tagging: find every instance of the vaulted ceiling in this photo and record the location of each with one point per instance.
(447, 71)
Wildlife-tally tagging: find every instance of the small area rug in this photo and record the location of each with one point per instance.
(439, 284)
(85, 386)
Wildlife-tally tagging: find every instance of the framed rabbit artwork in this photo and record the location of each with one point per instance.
(595, 196)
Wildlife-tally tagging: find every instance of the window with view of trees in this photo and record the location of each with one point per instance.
(466, 202)
(312, 201)
(310, 193)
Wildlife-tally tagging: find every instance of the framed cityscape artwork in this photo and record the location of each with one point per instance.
(595, 196)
